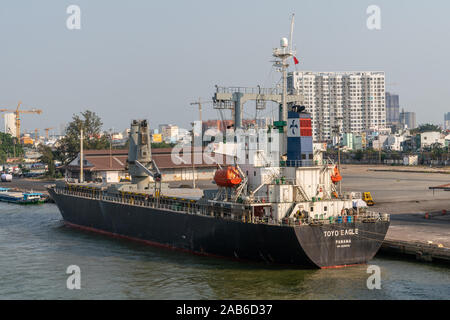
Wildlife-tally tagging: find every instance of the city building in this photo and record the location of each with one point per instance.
(427, 139)
(380, 142)
(223, 125)
(157, 138)
(26, 139)
(10, 123)
(408, 119)
(447, 140)
(394, 142)
(347, 141)
(169, 133)
(357, 143)
(447, 121)
(392, 109)
(411, 143)
(62, 128)
(341, 102)
(117, 136)
(126, 133)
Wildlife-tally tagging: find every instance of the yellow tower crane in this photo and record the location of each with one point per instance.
(17, 113)
(46, 132)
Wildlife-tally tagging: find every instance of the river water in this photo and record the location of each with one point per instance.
(36, 249)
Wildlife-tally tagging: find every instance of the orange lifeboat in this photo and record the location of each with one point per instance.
(228, 177)
(336, 176)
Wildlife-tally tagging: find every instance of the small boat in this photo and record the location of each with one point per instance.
(20, 197)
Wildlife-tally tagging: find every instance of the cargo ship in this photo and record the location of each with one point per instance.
(277, 200)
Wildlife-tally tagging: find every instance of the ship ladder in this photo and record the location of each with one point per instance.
(302, 192)
(290, 210)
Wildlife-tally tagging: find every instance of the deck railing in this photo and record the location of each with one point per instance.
(193, 207)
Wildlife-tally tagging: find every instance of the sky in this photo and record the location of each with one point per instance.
(144, 59)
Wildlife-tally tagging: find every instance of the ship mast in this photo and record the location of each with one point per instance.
(235, 97)
(282, 54)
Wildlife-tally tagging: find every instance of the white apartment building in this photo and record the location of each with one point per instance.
(10, 124)
(169, 133)
(342, 102)
(380, 142)
(394, 142)
(427, 139)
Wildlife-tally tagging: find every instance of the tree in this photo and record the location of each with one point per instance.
(427, 127)
(437, 151)
(359, 155)
(154, 145)
(371, 154)
(395, 155)
(9, 147)
(47, 158)
(91, 124)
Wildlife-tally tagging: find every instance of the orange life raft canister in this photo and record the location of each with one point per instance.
(336, 176)
(228, 177)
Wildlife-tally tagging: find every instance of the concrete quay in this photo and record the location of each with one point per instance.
(27, 184)
(410, 169)
(419, 237)
(406, 196)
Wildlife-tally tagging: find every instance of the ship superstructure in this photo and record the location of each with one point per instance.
(284, 178)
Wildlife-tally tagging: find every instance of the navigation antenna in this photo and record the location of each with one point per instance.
(291, 41)
(292, 31)
(282, 54)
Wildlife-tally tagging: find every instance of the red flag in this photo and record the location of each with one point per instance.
(295, 60)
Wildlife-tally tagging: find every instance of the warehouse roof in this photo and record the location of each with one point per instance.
(103, 160)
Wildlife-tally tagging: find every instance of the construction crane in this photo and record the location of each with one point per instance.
(199, 104)
(17, 113)
(46, 132)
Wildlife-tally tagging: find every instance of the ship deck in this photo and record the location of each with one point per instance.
(224, 210)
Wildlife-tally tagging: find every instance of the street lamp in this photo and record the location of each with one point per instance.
(110, 148)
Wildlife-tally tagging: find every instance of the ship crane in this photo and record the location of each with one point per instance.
(141, 165)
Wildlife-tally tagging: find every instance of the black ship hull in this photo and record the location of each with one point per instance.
(329, 245)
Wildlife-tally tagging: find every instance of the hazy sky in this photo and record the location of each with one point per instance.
(150, 59)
